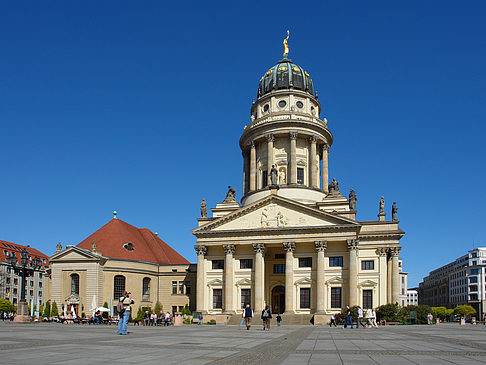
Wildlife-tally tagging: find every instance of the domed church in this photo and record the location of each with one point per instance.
(293, 241)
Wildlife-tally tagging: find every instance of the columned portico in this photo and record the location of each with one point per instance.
(293, 157)
(353, 272)
(252, 166)
(395, 251)
(321, 276)
(259, 276)
(289, 248)
(325, 168)
(201, 253)
(381, 252)
(228, 278)
(314, 179)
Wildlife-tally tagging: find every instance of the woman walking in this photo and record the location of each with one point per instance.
(266, 316)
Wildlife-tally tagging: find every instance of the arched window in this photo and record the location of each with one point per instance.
(146, 289)
(75, 284)
(118, 286)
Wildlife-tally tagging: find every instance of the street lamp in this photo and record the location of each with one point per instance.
(24, 268)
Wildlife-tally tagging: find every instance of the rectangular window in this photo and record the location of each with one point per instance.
(335, 297)
(369, 265)
(279, 268)
(40, 293)
(174, 287)
(31, 293)
(31, 283)
(15, 291)
(300, 175)
(40, 284)
(8, 270)
(264, 179)
(181, 307)
(336, 261)
(218, 264)
(474, 255)
(188, 287)
(305, 297)
(367, 299)
(16, 281)
(181, 287)
(474, 263)
(472, 279)
(245, 297)
(174, 310)
(473, 288)
(279, 256)
(474, 271)
(246, 263)
(8, 280)
(305, 261)
(217, 298)
(473, 297)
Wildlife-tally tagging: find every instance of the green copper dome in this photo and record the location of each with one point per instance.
(285, 75)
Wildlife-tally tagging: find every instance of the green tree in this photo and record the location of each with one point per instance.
(6, 306)
(47, 309)
(421, 311)
(41, 310)
(464, 310)
(186, 310)
(388, 312)
(54, 310)
(158, 307)
(139, 314)
(105, 314)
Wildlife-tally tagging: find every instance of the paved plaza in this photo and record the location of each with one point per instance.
(84, 344)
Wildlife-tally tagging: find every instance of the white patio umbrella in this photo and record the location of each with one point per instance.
(93, 304)
(101, 309)
(73, 311)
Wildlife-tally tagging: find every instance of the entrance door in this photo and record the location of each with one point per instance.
(278, 299)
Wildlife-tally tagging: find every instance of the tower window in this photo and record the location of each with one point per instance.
(266, 107)
(282, 103)
(299, 104)
(300, 175)
(264, 178)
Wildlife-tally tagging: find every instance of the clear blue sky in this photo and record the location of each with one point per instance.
(138, 107)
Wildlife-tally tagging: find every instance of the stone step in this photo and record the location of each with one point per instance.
(295, 319)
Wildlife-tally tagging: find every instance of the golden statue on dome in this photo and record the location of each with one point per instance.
(286, 45)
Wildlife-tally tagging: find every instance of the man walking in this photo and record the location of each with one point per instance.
(248, 316)
(349, 318)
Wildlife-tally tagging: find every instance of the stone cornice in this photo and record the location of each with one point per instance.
(384, 234)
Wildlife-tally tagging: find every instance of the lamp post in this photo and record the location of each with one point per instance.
(24, 268)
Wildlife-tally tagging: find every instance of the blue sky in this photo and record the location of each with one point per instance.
(138, 107)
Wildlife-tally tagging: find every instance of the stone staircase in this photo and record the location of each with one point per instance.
(287, 319)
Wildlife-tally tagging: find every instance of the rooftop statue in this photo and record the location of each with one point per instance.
(394, 211)
(286, 45)
(382, 205)
(204, 211)
(333, 186)
(352, 200)
(230, 195)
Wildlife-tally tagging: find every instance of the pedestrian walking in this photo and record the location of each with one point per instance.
(248, 313)
(279, 319)
(373, 319)
(199, 319)
(266, 316)
(124, 308)
(430, 317)
(349, 318)
(360, 318)
(333, 321)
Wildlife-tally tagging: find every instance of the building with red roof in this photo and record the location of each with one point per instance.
(11, 282)
(119, 257)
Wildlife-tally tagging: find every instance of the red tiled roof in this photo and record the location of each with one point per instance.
(146, 245)
(15, 249)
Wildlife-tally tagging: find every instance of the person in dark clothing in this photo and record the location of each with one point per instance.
(279, 319)
(266, 316)
(248, 316)
(349, 318)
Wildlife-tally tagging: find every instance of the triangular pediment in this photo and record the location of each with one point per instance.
(215, 282)
(274, 212)
(75, 254)
(368, 283)
(335, 280)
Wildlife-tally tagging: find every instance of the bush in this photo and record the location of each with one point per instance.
(186, 320)
(54, 310)
(464, 310)
(158, 308)
(186, 310)
(212, 321)
(340, 318)
(41, 310)
(422, 312)
(83, 315)
(354, 313)
(47, 309)
(388, 312)
(139, 314)
(105, 314)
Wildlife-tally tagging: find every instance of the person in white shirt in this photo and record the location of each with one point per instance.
(360, 318)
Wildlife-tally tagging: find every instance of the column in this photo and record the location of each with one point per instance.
(246, 172)
(313, 162)
(389, 277)
(293, 157)
(228, 278)
(289, 248)
(321, 278)
(325, 168)
(395, 251)
(270, 139)
(201, 252)
(382, 287)
(353, 272)
(259, 276)
(252, 166)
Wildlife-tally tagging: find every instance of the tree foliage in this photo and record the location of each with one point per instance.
(54, 310)
(464, 310)
(158, 307)
(6, 306)
(186, 310)
(47, 309)
(442, 312)
(139, 314)
(422, 312)
(388, 312)
(354, 312)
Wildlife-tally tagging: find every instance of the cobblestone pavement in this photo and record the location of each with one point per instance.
(83, 344)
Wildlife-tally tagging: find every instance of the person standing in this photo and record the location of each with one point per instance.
(373, 319)
(360, 318)
(248, 314)
(199, 319)
(167, 319)
(124, 304)
(242, 317)
(333, 320)
(279, 319)
(349, 318)
(266, 316)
